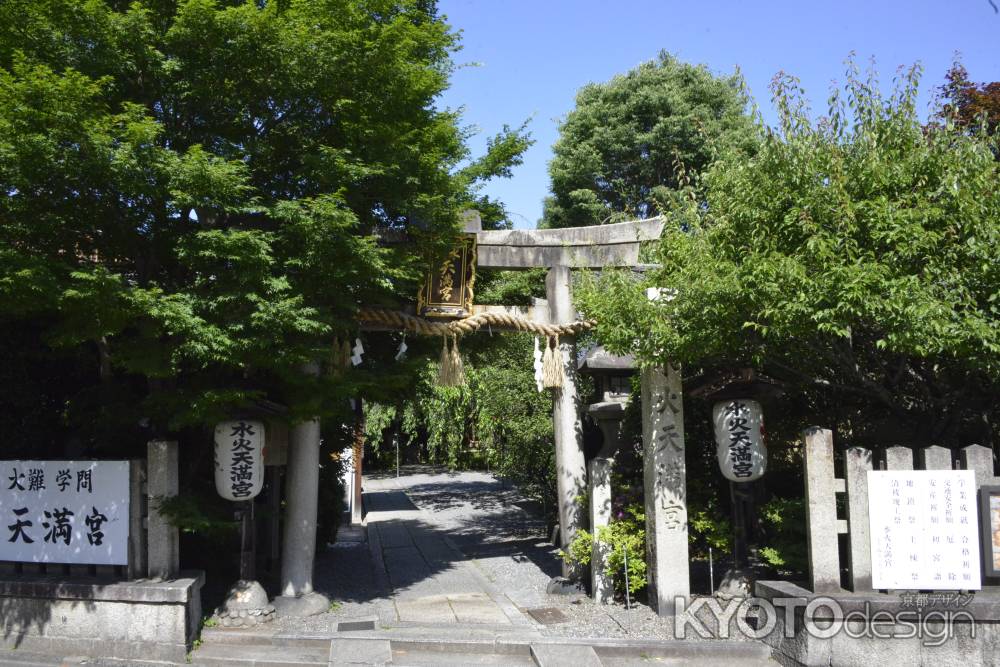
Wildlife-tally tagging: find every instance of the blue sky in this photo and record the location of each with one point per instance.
(530, 58)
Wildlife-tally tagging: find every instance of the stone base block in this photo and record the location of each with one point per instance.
(301, 605)
(847, 629)
(140, 620)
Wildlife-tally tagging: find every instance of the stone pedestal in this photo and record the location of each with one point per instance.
(608, 416)
(144, 621)
(601, 582)
(245, 605)
(571, 467)
(664, 478)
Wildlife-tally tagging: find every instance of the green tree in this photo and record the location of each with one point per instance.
(633, 141)
(856, 258)
(192, 194)
(497, 420)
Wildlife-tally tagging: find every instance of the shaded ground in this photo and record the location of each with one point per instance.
(463, 549)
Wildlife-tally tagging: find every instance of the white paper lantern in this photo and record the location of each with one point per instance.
(739, 439)
(239, 459)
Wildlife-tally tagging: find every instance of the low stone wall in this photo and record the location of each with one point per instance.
(882, 629)
(142, 620)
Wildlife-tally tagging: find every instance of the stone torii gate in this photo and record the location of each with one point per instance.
(664, 477)
(559, 251)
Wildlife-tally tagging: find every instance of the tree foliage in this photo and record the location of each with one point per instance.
(970, 105)
(498, 419)
(633, 141)
(192, 192)
(856, 258)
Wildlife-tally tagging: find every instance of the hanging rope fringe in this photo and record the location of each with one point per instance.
(444, 365)
(397, 320)
(457, 367)
(552, 364)
(451, 370)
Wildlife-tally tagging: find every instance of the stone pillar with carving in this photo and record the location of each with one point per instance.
(666, 489)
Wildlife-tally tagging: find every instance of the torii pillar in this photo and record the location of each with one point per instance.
(571, 466)
(560, 250)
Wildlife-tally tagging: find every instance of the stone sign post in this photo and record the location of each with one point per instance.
(664, 478)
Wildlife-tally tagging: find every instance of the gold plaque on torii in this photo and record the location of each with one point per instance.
(448, 290)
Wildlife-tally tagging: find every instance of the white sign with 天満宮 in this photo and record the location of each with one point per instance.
(924, 529)
(65, 512)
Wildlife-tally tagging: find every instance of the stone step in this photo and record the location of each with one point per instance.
(416, 658)
(413, 645)
(19, 658)
(564, 655)
(261, 655)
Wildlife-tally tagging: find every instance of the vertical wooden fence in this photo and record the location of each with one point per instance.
(823, 487)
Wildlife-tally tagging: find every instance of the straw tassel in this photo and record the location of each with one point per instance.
(457, 367)
(444, 364)
(451, 370)
(552, 367)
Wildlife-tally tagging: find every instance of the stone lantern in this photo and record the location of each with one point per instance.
(612, 379)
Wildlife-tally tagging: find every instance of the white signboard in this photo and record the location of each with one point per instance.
(924, 529)
(64, 512)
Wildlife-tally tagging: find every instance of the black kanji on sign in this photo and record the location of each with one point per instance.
(241, 477)
(36, 479)
(15, 480)
(242, 429)
(738, 425)
(63, 479)
(17, 528)
(60, 528)
(94, 522)
(84, 481)
(241, 465)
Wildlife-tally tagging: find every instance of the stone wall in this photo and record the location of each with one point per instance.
(134, 620)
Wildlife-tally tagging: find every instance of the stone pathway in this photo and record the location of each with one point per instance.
(418, 545)
(454, 572)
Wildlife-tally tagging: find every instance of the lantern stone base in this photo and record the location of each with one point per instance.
(142, 620)
(735, 584)
(246, 605)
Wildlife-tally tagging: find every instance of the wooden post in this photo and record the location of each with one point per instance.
(162, 482)
(137, 503)
(857, 463)
(357, 515)
(821, 511)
